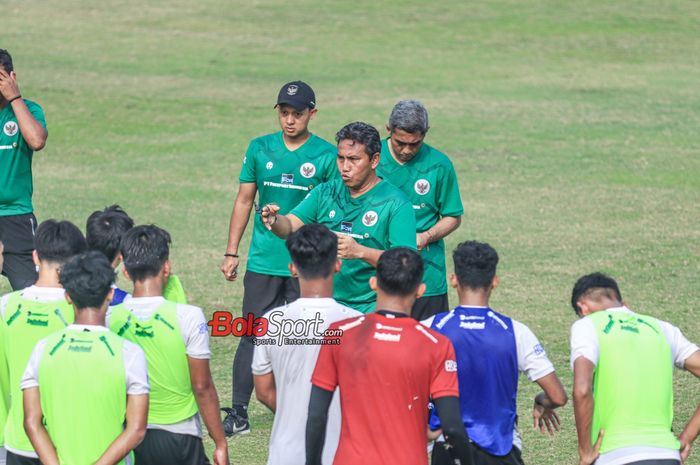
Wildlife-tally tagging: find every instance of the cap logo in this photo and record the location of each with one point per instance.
(10, 128)
(292, 89)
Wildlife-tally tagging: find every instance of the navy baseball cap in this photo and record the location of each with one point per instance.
(297, 94)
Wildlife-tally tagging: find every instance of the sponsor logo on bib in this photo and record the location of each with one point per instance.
(307, 170)
(422, 187)
(10, 128)
(370, 218)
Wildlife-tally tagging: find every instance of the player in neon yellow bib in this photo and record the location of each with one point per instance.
(623, 378)
(368, 214)
(82, 384)
(175, 340)
(32, 314)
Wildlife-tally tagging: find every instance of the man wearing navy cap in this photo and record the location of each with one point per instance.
(281, 167)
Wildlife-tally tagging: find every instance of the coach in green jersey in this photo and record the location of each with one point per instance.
(623, 379)
(369, 215)
(282, 168)
(428, 179)
(82, 384)
(22, 132)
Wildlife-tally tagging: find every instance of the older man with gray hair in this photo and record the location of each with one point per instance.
(426, 176)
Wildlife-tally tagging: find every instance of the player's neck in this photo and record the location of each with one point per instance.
(90, 316)
(316, 288)
(474, 297)
(395, 303)
(371, 181)
(48, 276)
(149, 287)
(293, 143)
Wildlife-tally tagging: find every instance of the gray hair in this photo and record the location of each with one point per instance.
(410, 116)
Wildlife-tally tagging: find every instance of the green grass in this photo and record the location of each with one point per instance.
(573, 128)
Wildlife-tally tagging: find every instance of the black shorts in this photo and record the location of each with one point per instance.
(479, 456)
(14, 459)
(161, 447)
(17, 236)
(263, 292)
(427, 306)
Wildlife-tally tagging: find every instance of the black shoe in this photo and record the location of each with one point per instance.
(234, 423)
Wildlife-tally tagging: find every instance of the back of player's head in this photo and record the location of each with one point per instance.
(57, 241)
(6, 60)
(361, 133)
(313, 249)
(105, 228)
(145, 249)
(410, 116)
(594, 286)
(399, 271)
(475, 264)
(87, 278)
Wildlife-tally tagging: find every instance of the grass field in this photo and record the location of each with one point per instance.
(573, 127)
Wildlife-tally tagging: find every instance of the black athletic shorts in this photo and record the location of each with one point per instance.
(14, 459)
(161, 447)
(427, 306)
(262, 292)
(17, 236)
(479, 456)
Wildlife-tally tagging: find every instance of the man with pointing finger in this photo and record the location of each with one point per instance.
(368, 214)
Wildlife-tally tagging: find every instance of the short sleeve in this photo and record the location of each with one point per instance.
(325, 373)
(428, 322)
(36, 112)
(681, 348)
(136, 369)
(532, 359)
(307, 210)
(262, 362)
(30, 378)
(248, 173)
(402, 227)
(444, 377)
(449, 198)
(195, 331)
(584, 342)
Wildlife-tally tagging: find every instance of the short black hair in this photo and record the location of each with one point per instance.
(361, 133)
(313, 249)
(475, 264)
(57, 241)
(6, 60)
(594, 285)
(400, 271)
(105, 228)
(145, 249)
(87, 278)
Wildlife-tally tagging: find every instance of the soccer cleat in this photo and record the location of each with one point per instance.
(234, 423)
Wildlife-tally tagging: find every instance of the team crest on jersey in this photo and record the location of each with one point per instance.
(10, 128)
(422, 187)
(292, 89)
(269, 165)
(331, 215)
(307, 170)
(345, 227)
(287, 178)
(370, 218)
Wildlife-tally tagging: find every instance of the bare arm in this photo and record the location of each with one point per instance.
(239, 220)
(136, 418)
(350, 249)
(583, 410)
(552, 397)
(208, 402)
(33, 132)
(34, 427)
(692, 429)
(281, 225)
(443, 228)
(265, 390)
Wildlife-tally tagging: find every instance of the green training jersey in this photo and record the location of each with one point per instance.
(27, 323)
(430, 183)
(632, 383)
(171, 398)
(16, 162)
(83, 372)
(284, 178)
(380, 219)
